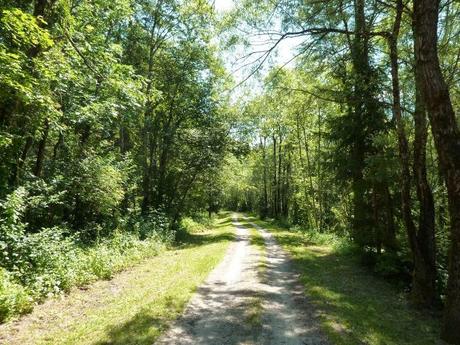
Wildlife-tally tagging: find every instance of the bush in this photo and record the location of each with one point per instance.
(190, 225)
(99, 184)
(324, 238)
(51, 262)
(395, 266)
(204, 219)
(47, 262)
(155, 225)
(45, 203)
(14, 299)
(38, 261)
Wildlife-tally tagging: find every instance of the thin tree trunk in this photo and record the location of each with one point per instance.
(41, 150)
(275, 183)
(310, 200)
(320, 173)
(17, 168)
(264, 158)
(310, 168)
(56, 147)
(147, 163)
(426, 232)
(360, 60)
(389, 240)
(287, 168)
(279, 206)
(375, 214)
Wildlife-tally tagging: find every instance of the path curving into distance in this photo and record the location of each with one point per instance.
(238, 304)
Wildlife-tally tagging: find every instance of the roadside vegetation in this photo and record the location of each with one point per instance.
(39, 265)
(137, 305)
(359, 137)
(111, 123)
(255, 310)
(257, 241)
(355, 305)
(121, 119)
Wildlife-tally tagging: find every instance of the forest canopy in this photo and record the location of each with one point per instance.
(359, 135)
(120, 118)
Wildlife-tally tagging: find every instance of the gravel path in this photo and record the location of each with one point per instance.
(225, 309)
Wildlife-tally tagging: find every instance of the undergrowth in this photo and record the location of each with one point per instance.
(354, 305)
(35, 266)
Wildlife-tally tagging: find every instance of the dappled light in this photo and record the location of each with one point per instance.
(230, 172)
(354, 304)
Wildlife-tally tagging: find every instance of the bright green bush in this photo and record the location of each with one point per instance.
(203, 218)
(49, 262)
(14, 298)
(99, 185)
(322, 238)
(190, 225)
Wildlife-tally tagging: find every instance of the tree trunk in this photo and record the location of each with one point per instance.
(378, 233)
(423, 280)
(279, 206)
(426, 231)
(57, 147)
(264, 158)
(446, 136)
(361, 96)
(41, 150)
(306, 170)
(310, 171)
(389, 237)
(320, 174)
(147, 154)
(275, 183)
(17, 168)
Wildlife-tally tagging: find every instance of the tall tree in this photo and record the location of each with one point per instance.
(447, 140)
(421, 240)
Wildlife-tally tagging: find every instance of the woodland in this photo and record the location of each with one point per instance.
(121, 121)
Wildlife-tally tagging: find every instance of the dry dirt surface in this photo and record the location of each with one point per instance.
(240, 304)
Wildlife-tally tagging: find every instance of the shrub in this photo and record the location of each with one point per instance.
(99, 185)
(14, 299)
(50, 261)
(47, 261)
(204, 219)
(190, 225)
(101, 262)
(322, 238)
(395, 266)
(45, 203)
(155, 225)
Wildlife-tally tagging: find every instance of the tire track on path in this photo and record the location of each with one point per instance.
(219, 313)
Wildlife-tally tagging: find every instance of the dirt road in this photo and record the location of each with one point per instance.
(239, 304)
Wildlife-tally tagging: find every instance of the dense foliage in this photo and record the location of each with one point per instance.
(340, 142)
(116, 122)
(111, 121)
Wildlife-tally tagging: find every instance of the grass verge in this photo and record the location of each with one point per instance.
(257, 242)
(355, 306)
(135, 306)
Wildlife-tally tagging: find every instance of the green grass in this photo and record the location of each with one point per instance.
(258, 243)
(255, 310)
(145, 300)
(355, 306)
